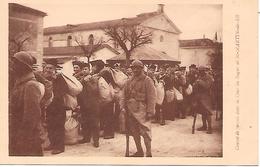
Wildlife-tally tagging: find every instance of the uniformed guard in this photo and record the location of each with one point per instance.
(139, 103)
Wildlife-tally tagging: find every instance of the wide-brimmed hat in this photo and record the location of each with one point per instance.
(25, 58)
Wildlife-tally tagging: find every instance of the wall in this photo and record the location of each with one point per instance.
(169, 45)
(60, 40)
(24, 25)
(161, 27)
(197, 56)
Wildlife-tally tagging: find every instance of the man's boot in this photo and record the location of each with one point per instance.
(209, 124)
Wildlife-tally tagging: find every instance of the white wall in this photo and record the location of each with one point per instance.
(169, 45)
(197, 56)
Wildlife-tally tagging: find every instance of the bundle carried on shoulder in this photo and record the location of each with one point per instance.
(119, 77)
(169, 95)
(71, 129)
(188, 91)
(160, 93)
(106, 91)
(74, 87)
(178, 94)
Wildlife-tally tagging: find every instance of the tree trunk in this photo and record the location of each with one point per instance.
(127, 61)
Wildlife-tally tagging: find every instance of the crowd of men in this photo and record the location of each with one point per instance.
(37, 98)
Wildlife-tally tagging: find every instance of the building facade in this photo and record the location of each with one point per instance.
(165, 34)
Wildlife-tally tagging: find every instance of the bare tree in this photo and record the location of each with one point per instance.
(128, 38)
(91, 48)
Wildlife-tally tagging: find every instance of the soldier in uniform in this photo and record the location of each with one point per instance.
(139, 103)
(202, 99)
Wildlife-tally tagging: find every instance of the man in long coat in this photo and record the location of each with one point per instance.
(25, 126)
(139, 102)
(55, 112)
(202, 99)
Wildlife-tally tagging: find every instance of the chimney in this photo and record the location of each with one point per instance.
(160, 8)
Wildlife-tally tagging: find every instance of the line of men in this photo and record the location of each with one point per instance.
(31, 105)
(201, 91)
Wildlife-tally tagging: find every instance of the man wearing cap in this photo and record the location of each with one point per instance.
(84, 71)
(55, 112)
(139, 104)
(91, 106)
(25, 126)
(202, 99)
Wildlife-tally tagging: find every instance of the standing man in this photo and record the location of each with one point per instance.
(139, 102)
(91, 105)
(25, 113)
(55, 112)
(203, 99)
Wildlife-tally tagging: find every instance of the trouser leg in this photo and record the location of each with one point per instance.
(148, 145)
(108, 111)
(204, 120)
(209, 120)
(59, 132)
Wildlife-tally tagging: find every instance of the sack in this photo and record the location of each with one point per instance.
(70, 102)
(188, 91)
(160, 93)
(169, 95)
(73, 85)
(71, 131)
(106, 91)
(119, 77)
(178, 95)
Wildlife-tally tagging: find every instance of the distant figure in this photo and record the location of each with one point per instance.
(139, 103)
(202, 99)
(25, 126)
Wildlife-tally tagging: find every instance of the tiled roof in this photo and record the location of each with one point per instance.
(145, 53)
(204, 42)
(71, 50)
(100, 25)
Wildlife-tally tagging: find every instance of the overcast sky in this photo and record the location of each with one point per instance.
(193, 20)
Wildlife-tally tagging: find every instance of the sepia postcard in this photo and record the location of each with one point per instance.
(163, 82)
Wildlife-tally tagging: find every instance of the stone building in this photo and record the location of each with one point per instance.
(197, 51)
(25, 30)
(165, 34)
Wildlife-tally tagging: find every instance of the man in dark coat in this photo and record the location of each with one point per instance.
(55, 112)
(139, 102)
(91, 107)
(25, 126)
(202, 99)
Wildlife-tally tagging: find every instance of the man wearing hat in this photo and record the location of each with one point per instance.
(202, 99)
(55, 112)
(25, 124)
(83, 70)
(91, 107)
(139, 103)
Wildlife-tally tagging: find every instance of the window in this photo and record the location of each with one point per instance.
(161, 38)
(69, 40)
(50, 42)
(91, 39)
